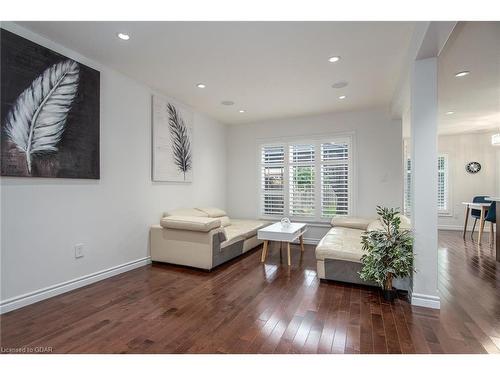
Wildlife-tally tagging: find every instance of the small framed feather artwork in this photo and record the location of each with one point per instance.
(172, 141)
(49, 112)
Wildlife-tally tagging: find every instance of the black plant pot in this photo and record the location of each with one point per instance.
(389, 294)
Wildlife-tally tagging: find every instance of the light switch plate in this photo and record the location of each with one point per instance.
(79, 250)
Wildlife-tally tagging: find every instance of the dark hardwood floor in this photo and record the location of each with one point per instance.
(247, 307)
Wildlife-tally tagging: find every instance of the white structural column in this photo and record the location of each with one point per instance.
(424, 122)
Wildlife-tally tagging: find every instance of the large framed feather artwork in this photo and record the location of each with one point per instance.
(172, 141)
(49, 112)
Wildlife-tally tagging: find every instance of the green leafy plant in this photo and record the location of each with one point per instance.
(388, 250)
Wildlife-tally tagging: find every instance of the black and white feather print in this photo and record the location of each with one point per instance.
(36, 121)
(181, 145)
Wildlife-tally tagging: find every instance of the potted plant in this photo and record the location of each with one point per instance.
(388, 252)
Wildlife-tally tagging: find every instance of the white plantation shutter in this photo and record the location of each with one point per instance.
(443, 183)
(407, 202)
(272, 180)
(335, 162)
(301, 170)
(442, 164)
(306, 179)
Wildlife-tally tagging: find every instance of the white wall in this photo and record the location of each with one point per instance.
(378, 159)
(42, 219)
(461, 149)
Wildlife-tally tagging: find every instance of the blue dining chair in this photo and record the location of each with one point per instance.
(476, 214)
(491, 216)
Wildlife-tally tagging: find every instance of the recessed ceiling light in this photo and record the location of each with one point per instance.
(201, 85)
(462, 74)
(334, 59)
(227, 102)
(241, 111)
(123, 36)
(450, 112)
(342, 97)
(340, 84)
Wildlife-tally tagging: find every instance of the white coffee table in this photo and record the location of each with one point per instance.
(281, 233)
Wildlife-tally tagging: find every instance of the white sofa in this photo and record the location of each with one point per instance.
(202, 237)
(338, 254)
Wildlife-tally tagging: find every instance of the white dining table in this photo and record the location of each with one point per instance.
(483, 207)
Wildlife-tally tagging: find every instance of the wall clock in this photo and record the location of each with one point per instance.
(473, 167)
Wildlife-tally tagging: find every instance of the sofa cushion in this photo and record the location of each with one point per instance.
(193, 223)
(186, 212)
(247, 228)
(341, 243)
(375, 225)
(232, 236)
(235, 231)
(212, 211)
(232, 232)
(225, 221)
(351, 222)
(405, 224)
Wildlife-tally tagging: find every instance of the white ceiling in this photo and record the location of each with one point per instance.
(269, 69)
(475, 99)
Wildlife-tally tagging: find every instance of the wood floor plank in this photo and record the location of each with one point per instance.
(366, 327)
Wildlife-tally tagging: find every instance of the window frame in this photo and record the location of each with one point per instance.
(407, 184)
(303, 163)
(317, 140)
(277, 165)
(446, 211)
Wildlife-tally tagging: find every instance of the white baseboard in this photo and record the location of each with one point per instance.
(54, 290)
(450, 227)
(461, 228)
(425, 300)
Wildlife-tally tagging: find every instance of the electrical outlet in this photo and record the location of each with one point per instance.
(79, 250)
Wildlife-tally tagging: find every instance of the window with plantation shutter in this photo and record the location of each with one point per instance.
(407, 186)
(443, 183)
(301, 186)
(272, 180)
(442, 170)
(334, 179)
(306, 179)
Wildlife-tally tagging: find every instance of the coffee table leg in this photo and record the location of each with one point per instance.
(302, 242)
(289, 257)
(264, 251)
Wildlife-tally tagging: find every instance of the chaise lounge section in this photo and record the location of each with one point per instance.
(338, 254)
(202, 237)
